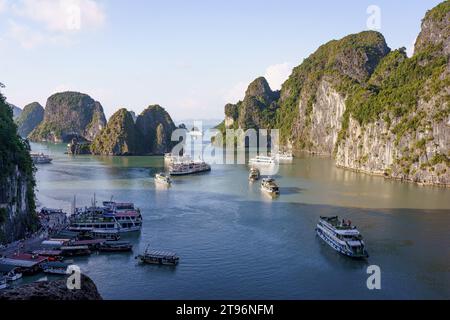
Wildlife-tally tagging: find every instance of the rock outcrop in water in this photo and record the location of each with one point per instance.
(31, 116)
(151, 134)
(53, 291)
(374, 110)
(119, 138)
(68, 115)
(156, 127)
(17, 204)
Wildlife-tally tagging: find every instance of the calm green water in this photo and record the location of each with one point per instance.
(236, 243)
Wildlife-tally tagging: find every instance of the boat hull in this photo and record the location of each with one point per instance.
(189, 172)
(338, 247)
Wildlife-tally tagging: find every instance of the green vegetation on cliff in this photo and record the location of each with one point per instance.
(119, 137)
(350, 60)
(16, 174)
(31, 116)
(70, 114)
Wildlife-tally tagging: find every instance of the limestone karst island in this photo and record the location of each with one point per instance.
(224, 152)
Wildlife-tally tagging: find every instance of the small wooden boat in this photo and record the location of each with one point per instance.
(158, 257)
(116, 246)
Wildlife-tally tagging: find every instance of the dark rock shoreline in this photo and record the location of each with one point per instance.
(52, 290)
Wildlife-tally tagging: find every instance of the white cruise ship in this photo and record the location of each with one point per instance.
(40, 158)
(113, 217)
(182, 168)
(342, 237)
(263, 160)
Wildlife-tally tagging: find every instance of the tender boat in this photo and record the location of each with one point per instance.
(254, 174)
(158, 257)
(40, 158)
(163, 178)
(265, 160)
(342, 237)
(188, 167)
(269, 185)
(116, 246)
(55, 268)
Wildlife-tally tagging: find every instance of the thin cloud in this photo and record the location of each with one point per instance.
(37, 22)
(277, 74)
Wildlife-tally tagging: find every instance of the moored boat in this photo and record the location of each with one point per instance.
(163, 178)
(269, 185)
(342, 237)
(59, 268)
(158, 257)
(116, 246)
(10, 273)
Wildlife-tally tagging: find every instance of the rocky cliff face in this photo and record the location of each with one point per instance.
(70, 114)
(16, 110)
(31, 116)
(374, 110)
(155, 126)
(119, 138)
(53, 291)
(17, 206)
(257, 108)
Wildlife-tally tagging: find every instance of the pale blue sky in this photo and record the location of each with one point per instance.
(192, 57)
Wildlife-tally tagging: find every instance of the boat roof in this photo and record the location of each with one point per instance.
(75, 248)
(23, 260)
(87, 242)
(127, 214)
(160, 253)
(48, 253)
(56, 264)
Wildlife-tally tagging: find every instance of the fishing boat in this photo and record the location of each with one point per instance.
(254, 174)
(163, 178)
(40, 158)
(181, 168)
(116, 246)
(59, 268)
(263, 160)
(269, 185)
(3, 284)
(158, 257)
(342, 236)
